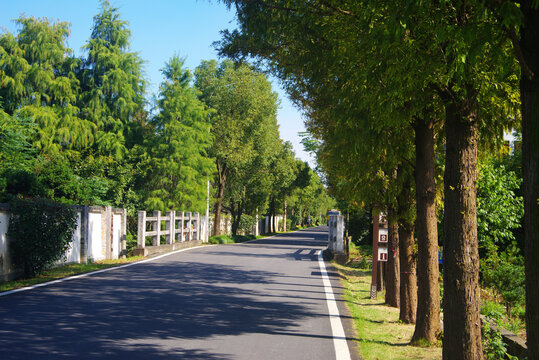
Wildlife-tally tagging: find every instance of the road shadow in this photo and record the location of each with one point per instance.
(126, 314)
(93, 319)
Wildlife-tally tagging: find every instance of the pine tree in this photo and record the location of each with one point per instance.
(112, 80)
(37, 81)
(180, 149)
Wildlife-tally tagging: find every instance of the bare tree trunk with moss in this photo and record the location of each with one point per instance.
(427, 325)
(462, 325)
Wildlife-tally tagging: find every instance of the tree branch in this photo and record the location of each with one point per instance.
(518, 52)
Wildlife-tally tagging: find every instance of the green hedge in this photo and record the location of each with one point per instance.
(225, 239)
(40, 232)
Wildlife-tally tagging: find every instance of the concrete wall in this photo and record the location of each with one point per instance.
(5, 261)
(100, 234)
(73, 254)
(116, 235)
(95, 234)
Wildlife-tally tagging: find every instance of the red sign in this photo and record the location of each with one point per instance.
(382, 254)
(382, 237)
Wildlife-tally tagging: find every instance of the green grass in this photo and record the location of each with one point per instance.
(65, 271)
(233, 239)
(381, 335)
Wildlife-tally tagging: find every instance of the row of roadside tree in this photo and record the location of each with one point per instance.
(402, 99)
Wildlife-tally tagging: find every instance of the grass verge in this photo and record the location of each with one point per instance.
(381, 334)
(65, 271)
(225, 239)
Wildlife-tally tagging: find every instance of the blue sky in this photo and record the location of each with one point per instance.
(159, 29)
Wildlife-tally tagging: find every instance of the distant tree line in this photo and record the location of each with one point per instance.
(406, 102)
(81, 130)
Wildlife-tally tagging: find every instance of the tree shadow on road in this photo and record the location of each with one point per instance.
(91, 318)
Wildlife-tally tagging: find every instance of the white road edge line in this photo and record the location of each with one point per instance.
(339, 338)
(26, 288)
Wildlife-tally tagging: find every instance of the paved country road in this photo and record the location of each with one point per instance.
(259, 300)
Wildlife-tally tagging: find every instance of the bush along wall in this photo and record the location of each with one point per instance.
(40, 233)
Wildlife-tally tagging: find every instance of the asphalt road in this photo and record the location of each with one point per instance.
(259, 300)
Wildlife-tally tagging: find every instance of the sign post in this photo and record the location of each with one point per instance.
(379, 249)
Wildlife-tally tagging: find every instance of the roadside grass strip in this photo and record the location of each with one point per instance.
(381, 335)
(339, 337)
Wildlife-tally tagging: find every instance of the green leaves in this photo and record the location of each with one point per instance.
(244, 128)
(112, 82)
(76, 129)
(180, 147)
(499, 209)
(40, 232)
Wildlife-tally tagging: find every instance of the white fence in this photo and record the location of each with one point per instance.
(176, 227)
(100, 234)
(261, 226)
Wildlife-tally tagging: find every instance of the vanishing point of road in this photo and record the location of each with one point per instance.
(266, 299)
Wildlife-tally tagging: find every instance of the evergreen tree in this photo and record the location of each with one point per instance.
(37, 81)
(180, 149)
(113, 86)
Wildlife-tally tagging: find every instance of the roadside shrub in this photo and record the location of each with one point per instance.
(40, 233)
(220, 239)
(505, 273)
(246, 224)
(493, 346)
(131, 243)
(224, 239)
(492, 310)
(242, 238)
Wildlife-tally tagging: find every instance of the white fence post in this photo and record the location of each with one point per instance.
(108, 232)
(157, 237)
(170, 226)
(189, 232)
(141, 233)
(123, 246)
(182, 227)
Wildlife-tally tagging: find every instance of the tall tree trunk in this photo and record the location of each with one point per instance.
(233, 213)
(393, 264)
(221, 172)
(408, 282)
(284, 217)
(529, 92)
(462, 325)
(380, 276)
(236, 219)
(428, 293)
